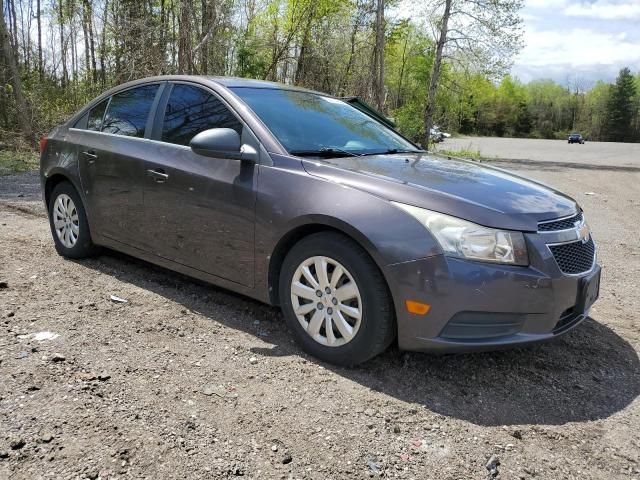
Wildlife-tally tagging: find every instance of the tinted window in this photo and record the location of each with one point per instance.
(95, 116)
(191, 110)
(306, 122)
(129, 110)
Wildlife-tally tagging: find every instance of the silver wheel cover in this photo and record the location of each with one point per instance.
(66, 222)
(326, 301)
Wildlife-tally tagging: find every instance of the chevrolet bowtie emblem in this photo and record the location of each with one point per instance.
(583, 232)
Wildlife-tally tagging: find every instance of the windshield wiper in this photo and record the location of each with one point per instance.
(391, 151)
(324, 152)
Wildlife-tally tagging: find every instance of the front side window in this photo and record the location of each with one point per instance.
(308, 123)
(95, 116)
(192, 110)
(129, 110)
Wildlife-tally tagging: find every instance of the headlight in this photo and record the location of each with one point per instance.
(459, 238)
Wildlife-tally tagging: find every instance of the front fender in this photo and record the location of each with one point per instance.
(288, 198)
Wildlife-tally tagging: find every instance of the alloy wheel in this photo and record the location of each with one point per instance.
(66, 221)
(326, 301)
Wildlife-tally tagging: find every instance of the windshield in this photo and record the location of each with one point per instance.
(309, 124)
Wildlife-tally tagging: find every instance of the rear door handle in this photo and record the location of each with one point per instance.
(158, 175)
(91, 155)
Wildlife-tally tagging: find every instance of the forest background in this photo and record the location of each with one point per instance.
(447, 63)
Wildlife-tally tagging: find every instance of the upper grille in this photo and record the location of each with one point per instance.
(564, 224)
(575, 257)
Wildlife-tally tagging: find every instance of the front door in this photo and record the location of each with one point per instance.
(200, 211)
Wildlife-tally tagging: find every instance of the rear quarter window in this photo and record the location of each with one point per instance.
(96, 114)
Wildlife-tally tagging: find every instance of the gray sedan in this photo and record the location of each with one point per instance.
(300, 200)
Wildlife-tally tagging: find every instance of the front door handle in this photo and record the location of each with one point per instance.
(91, 155)
(158, 175)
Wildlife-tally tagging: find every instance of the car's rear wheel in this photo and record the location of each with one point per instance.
(335, 300)
(68, 221)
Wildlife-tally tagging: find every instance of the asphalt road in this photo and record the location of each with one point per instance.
(607, 154)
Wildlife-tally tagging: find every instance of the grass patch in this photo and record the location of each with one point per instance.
(16, 161)
(462, 153)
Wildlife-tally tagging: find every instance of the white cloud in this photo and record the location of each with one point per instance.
(604, 10)
(545, 3)
(578, 47)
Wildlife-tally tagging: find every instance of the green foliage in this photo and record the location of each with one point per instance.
(16, 161)
(325, 45)
(621, 107)
(468, 153)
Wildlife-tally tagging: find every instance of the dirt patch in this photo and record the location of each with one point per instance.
(185, 380)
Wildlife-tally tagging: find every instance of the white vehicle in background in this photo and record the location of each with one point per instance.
(438, 136)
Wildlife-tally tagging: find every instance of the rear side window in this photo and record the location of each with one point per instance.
(95, 116)
(129, 110)
(191, 110)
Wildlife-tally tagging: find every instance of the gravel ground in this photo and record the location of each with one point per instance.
(186, 380)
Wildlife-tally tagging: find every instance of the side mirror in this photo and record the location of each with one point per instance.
(217, 143)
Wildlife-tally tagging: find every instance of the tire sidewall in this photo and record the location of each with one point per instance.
(83, 246)
(360, 348)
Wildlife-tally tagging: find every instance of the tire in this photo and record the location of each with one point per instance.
(77, 244)
(372, 333)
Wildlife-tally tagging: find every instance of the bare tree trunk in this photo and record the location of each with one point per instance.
(63, 53)
(103, 44)
(402, 67)
(88, 8)
(184, 38)
(302, 58)
(161, 39)
(352, 52)
(378, 57)
(4, 114)
(204, 49)
(40, 63)
(12, 7)
(26, 39)
(16, 82)
(174, 36)
(85, 35)
(435, 74)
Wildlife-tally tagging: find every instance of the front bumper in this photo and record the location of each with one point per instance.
(478, 306)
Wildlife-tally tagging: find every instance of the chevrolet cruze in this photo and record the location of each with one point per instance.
(301, 200)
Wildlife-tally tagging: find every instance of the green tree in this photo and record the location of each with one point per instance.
(486, 33)
(621, 108)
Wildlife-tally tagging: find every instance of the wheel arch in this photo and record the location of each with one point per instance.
(52, 181)
(298, 232)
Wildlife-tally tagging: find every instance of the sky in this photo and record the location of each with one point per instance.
(579, 41)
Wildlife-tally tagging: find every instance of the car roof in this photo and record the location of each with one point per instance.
(228, 82)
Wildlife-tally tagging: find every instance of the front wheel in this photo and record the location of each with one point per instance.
(336, 300)
(68, 221)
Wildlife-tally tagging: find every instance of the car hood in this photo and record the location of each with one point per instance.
(478, 193)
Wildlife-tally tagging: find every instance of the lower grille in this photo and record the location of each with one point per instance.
(575, 257)
(477, 326)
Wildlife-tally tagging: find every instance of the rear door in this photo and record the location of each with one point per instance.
(112, 162)
(200, 211)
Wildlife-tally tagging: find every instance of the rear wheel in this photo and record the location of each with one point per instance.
(335, 300)
(68, 221)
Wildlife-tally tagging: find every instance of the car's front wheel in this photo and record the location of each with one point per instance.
(335, 300)
(68, 221)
